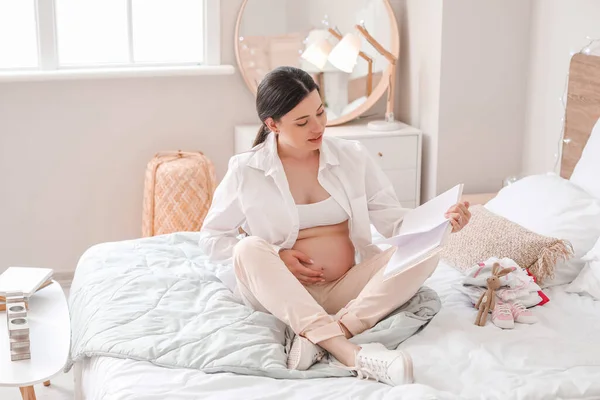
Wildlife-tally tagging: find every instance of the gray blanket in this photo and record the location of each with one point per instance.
(159, 300)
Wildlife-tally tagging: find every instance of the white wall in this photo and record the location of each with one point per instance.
(418, 86)
(262, 23)
(559, 27)
(485, 56)
(463, 79)
(73, 153)
(297, 15)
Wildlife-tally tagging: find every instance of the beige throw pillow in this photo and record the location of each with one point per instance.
(490, 235)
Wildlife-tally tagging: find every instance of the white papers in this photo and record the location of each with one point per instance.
(423, 232)
(23, 279)
(431, 214)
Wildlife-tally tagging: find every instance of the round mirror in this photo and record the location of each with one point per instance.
(323, 38)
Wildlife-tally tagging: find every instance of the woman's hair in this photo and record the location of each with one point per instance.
(278, 93)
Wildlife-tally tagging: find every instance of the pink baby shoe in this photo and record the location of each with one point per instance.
(502, 316)
(521, 314)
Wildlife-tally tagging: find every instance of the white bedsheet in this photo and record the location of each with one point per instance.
(557, 358)
(111, 378)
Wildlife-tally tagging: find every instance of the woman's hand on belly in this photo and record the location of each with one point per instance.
(301, 266)
(332, 252)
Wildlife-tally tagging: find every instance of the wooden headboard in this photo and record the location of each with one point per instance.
(583, 109)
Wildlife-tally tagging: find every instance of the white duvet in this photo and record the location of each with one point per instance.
(557, 358)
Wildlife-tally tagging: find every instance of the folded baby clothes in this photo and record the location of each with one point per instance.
(517, 286)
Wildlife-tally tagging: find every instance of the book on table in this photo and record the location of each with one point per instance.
(26, 280)
(423, 233)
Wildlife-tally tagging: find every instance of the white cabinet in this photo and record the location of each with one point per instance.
(398, 153)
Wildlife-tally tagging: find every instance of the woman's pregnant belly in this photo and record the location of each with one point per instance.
(329, 247)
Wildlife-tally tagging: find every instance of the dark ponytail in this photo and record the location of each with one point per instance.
(280, 91)
(262, 134)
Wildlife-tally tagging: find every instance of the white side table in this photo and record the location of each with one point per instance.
(50, 336)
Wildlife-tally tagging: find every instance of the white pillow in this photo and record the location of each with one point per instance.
(552, 206)
(587, 169)
(588, 281)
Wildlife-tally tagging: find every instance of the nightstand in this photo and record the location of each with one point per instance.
(398, 154)
(478, 198)
(50, 336)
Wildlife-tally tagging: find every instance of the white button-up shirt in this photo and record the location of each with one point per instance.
(254, 195)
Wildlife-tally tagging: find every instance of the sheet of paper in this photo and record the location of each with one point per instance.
(425, 217)
(423, 232)
(430, 214)
(413, 248)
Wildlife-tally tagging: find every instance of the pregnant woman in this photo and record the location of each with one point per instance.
(306, 202)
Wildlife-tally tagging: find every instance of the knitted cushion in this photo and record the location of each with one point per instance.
(490, 235)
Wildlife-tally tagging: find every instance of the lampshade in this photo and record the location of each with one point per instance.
(317, 53)
(345, 54)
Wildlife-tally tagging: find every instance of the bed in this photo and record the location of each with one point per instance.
(453, 358)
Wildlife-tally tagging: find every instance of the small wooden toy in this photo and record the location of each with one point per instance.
(16, 310)
(18, 327)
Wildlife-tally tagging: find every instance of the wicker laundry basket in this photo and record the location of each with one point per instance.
(178, 192)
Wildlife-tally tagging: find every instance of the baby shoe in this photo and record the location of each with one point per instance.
(502, 316)
(522, 314)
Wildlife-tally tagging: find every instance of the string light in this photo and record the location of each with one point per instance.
(587, 49)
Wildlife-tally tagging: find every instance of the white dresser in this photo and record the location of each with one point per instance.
(398, 153)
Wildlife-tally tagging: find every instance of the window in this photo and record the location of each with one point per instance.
(17, 20)
(75, 34)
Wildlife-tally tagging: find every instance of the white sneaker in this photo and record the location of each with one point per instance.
(375, 361)
(304, 354)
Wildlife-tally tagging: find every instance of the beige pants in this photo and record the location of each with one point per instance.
(358, 300)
